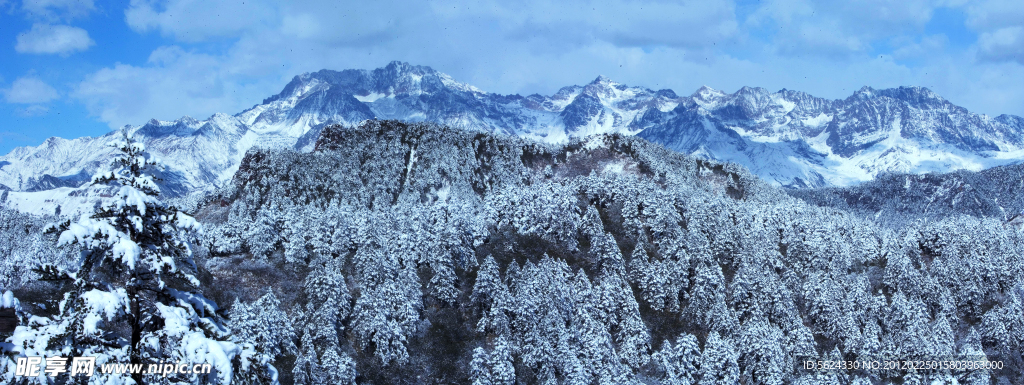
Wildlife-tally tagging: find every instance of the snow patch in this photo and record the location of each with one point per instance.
(595, 142)
(442, 194)
(817, 121)
(614, 168)
(7, 300)
(787, 105)
(371, 97)
(666, 107)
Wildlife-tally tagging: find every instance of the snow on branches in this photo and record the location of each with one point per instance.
(132, 297)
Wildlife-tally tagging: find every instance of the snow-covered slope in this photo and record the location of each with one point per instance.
(794, 139)
(789, 138)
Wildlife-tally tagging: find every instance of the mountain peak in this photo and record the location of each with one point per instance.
(400, 69)
(865, 92)
(912, 94)
(747, 90)
(706, 93)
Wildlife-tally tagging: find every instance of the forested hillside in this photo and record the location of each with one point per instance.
(997, 192)
(399, 253)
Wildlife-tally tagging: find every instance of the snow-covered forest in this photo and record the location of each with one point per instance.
(402, 253)
(895, 199)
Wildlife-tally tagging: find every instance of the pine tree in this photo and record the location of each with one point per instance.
(761, 356)
(328, 304)
(707, 305)
(388, 308)
(479, 371)
(307, 368)
(621, 313)
(264, 328)
(338, 368)
(494, 367)
(491, 299)
(134, 296)
(1003, 325)
(677, 362)
(971, 350)
(718, 364)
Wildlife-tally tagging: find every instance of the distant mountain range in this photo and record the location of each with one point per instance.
(789, 138)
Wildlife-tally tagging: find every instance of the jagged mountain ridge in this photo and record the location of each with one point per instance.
(788, 137)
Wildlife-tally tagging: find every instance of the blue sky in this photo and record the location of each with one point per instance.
(75, 68)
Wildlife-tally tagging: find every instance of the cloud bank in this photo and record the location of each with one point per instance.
(29, 90)
(53, 39)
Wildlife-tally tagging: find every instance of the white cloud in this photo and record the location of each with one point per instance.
(836, 28)
(33, 110)
(52, 10)
(30, 90)
(1001, 27)
(624, 22)
(909, 48)
(195, 20)
(53, 39)
(174, 82)
(828, 49)
(1002, 44)
(687, 23)
(993, 14)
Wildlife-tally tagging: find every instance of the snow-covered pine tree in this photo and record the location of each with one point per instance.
(490, 298)
(718, 364)
(494, 368)
(388, 308)
(133, 297)
(761, 356)
(678, 363)
(328, 304)
(264, 328)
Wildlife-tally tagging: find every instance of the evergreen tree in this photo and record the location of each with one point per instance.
(337, 368)
(761, 356)
(491, 299)
(494, 367)
(264, 328)
(307, 369)
(678, 363)
(388, 308)
(718, 364)
(134, 294)
(328, 305)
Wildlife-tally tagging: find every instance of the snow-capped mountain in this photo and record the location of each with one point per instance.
(789, 138)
